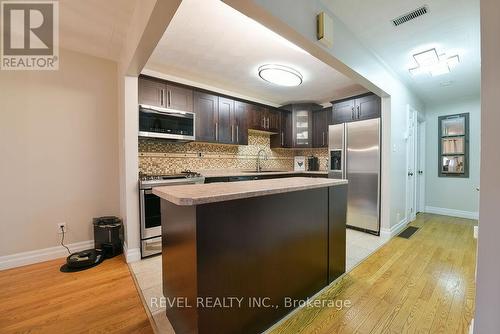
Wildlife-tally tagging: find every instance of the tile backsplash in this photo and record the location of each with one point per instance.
(161, 157)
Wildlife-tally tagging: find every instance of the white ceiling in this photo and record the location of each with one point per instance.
(213, 44)
(451, 26)
(95, 27)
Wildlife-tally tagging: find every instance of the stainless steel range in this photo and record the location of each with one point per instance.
(150, 212)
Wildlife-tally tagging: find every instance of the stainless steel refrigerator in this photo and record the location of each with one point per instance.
(354, 150)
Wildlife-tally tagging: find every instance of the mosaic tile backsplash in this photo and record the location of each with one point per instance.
(161, 157)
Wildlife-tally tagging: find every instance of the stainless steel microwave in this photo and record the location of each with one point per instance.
(156, 122)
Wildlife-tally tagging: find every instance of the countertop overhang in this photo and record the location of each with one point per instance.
(195, 194)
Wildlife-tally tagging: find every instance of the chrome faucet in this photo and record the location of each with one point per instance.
(258, 167)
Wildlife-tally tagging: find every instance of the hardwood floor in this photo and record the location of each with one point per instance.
(420, 285)
(40, 299)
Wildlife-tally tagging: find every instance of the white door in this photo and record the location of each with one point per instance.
(410, 165)
(420, 167)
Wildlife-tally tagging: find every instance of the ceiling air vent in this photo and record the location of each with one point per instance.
(410, 16)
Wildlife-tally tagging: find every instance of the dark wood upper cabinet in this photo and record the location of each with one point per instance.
(179, 98)
(241, 117)
(265, 119)
(343, 111)
(320, 127)
(296, 126)
(152, 93)
(302, 126)
(164, 95)
(284, 138)
(225, 125)
(255, 117)
(273, 120)
(206, 108)
(220, 119)
(366, 106)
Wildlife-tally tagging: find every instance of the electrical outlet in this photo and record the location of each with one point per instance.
(62, 227)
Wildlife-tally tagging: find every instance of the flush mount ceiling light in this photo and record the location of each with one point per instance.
(280, 75)
(431, 63)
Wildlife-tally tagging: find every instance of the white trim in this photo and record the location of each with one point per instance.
(41, 255)
(131, 255)
(421, 179)
(452, 212)
(394, 230)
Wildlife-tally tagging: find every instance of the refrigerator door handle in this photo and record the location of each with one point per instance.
(344, 152)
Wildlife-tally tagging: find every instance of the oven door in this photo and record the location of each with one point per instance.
(163, 123)
(150, 214)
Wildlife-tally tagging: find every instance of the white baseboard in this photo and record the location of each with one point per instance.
(452, 212)
(41, 255)
(132, 254)
(394, 230)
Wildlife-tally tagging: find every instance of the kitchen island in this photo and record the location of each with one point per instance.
(239, 256)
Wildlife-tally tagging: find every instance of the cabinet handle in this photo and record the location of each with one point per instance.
(268, 122)
(237, 133)
(323, 138)
(216, 131)
(359, 111)
(232, 133)
(168, 98)
(282, 139)
(161, 97)
(352, 113)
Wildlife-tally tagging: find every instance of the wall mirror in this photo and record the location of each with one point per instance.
(454, 145)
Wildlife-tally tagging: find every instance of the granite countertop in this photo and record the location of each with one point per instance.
(194, 194)
(239, 172)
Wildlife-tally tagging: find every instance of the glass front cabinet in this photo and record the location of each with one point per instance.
(454, 145)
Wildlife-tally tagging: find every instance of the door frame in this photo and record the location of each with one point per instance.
(411, 139)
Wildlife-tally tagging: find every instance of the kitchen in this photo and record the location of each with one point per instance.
(308, 166)
(193, 133)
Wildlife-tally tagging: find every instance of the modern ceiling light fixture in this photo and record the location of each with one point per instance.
(431, 63)
(280, 75)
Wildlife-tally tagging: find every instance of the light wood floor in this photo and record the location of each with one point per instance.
(40, 299)
(420, 285)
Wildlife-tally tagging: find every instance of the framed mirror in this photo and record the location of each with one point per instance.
(454, 145)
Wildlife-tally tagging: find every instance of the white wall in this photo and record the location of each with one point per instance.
(301, 16)
(456, 194)
(59, 151)
(488, 265)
